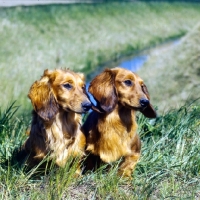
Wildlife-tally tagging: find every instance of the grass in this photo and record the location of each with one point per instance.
(169, 167)
(80, 37)
(177, 70)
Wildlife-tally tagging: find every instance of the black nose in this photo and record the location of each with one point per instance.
(86, 106)
(144, 102)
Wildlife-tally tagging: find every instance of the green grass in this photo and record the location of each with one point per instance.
(172, 74)
(169, 167)
(80, 37)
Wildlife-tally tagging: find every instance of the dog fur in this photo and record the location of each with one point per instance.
(58, 98)
(111, 133)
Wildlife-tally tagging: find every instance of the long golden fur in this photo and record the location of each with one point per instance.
(111, 132)
(58, 98)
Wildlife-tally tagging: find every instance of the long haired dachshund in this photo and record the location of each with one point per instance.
(111, 132)
(58, 98)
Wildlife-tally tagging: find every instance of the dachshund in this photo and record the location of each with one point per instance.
(59, 98)
(110, 129)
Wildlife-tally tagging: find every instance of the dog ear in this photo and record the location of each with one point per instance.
(82, 76)
(103, 90)
(42, 99)
(149, 110)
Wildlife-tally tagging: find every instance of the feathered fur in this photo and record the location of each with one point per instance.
(58, 99)
(111, 133)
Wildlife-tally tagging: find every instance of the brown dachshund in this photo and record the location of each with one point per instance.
(111, 132)
(58, 98)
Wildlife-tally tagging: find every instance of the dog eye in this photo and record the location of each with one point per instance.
(68, 86)
(128, 82)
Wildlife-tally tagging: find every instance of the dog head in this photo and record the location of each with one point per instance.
(121, 86)
(59, 89)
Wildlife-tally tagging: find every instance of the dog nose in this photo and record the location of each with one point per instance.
(144, 102)
(86, 106)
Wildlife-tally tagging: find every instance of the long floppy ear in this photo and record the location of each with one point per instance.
(149, 110)
(42, 99)
(103, 90)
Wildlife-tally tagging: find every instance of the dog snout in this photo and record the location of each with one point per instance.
(144, 102)
(86, 106)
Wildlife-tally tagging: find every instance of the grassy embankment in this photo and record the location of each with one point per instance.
(170, 165)
(175, 78)
(80, 37)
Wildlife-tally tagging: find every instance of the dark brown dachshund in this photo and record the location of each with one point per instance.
(111, 133)
(58, 99)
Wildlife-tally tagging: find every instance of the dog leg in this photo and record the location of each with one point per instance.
(129, 162)
(128, 165)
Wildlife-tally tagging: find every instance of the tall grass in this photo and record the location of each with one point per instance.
(169, 167)
(170, 164)
(80, 37)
